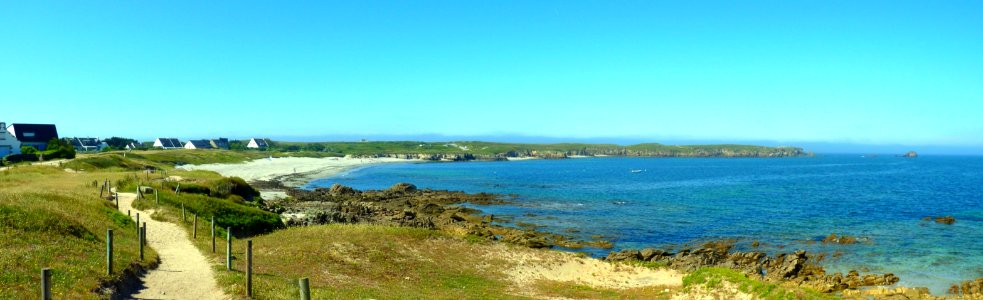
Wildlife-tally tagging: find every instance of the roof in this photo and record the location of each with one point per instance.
(201, 144)
(84, 142)
(170, 143)
(35, 133)
(221, 143)
(260, 142)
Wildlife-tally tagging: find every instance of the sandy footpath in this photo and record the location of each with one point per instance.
(184, 273)
(293, 171)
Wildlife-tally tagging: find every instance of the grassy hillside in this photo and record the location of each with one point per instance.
(55, 219)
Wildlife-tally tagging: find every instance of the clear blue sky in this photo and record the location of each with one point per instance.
(867, 72)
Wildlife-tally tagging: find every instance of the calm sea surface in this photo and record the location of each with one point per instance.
(786, 204)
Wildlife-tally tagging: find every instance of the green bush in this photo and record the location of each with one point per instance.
(16, 158)
(28, 150)
(58, 149)
(232, 186)
(244, 220)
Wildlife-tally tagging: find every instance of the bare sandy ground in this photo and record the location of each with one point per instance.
(293, 171)
(184, 273)
(568, 267)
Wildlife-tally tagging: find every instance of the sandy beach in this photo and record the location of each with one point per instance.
(293, 171)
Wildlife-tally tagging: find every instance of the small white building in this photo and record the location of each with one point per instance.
(198, 144)
(257, 144)
(8, 142)
(168, 143)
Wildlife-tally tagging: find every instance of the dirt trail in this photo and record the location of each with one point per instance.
(184, 273)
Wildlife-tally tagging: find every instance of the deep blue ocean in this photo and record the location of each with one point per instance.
(784, 203)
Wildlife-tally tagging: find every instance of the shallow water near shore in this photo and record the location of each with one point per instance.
(785, 204)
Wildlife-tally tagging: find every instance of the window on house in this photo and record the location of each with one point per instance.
(28, 134)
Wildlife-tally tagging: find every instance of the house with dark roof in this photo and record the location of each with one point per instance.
(86, 144)
(34, 135)
(220, 143)
(8, 142)
(198, 144)
(257, 144)
(168, 143)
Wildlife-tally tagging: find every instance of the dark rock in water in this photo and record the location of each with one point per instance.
(403, 187)
(910, 154)
(948, 220)
(842, 240)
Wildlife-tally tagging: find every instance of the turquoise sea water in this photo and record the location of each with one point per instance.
(786, 204)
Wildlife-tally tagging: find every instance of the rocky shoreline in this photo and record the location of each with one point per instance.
(405, 205)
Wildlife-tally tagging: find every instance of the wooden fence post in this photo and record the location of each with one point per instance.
(249, 268)
(140, 239)
(138, 223)
(109, 252)
(213, 234)
(228, 249)
(156, 197)
(194, 232)
(177, 190)
(46, 284)
(305, 289)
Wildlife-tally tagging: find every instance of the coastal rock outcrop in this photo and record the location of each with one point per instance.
(785, 267)
(404, 204)
(947, 220)
(839, 239)
(910, 154)
(968, 289)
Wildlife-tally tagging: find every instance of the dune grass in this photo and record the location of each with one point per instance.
(714, 278)
(50, 218)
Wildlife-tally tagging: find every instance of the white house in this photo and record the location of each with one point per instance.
(198, 144)
(131, 146)
(168, 143)
(257, 144)
(8, 142)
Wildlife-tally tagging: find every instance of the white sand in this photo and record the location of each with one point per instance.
(564, 266)
(293, 171)
(183, 273)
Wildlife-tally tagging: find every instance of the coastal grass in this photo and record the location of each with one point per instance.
(715, 278)
(50, 218)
